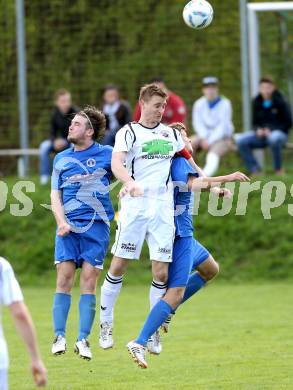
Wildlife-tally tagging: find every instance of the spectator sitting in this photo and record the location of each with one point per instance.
(60, 122)
(212, 121)
(271, 121)
(175, 110)
(117, 113)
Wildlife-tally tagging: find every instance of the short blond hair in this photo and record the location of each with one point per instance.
(61, 92)
(150, 90)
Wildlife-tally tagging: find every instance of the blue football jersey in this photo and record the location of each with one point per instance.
(83, 177)
(183, 198)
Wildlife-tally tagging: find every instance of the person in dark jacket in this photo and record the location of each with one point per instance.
(271, 121)
(59, 125)
(117, 113)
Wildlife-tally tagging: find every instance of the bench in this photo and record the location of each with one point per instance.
(21, 155)
(259, 154)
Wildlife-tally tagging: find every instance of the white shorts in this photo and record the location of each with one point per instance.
(145, 219)
(3, 379)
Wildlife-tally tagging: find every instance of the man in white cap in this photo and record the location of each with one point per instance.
(212, 123)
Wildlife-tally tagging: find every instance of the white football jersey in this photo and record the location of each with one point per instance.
(10, 292)
(149, 156)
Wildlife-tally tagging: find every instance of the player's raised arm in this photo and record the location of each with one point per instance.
(208, 183)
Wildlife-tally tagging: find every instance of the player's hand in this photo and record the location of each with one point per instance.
(222, 192)
(39, 373)
(63, 229)
(131, 188)
(236, 176)
(266, 131)
(260, 133)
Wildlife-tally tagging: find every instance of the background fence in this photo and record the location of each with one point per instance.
(83, 45)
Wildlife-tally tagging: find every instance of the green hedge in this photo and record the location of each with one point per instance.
(247, 247)
(83, 44)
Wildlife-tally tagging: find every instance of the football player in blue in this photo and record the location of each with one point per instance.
(188, 254)
(82, 209)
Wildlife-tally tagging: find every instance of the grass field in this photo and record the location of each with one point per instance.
(228, 337)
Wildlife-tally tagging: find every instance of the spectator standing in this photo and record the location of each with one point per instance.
(175, 110)
(59, 125)
(271, 122)
(117, 113)
(212, 123)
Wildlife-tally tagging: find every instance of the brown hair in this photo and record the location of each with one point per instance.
(150, 90)
(61, 92)
(267, 79)
(96, 120)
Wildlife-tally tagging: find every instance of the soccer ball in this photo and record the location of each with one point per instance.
(198, 14)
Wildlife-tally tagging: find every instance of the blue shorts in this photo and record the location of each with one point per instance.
(199, 254)
(187, 255)
(90, 246)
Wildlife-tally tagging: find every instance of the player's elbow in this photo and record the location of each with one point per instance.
(197, 185)
(19, 311)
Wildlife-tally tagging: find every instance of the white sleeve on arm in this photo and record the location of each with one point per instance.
(197, 122)
(180, 143)
(124, 140)
(225, 127)
(11, 291)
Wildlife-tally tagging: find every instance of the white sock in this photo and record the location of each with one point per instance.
(157, 291)
(212, 164)
(109, 293)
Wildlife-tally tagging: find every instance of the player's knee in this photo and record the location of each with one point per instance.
(64, 282)
(118, 266)
(212, 272)
(161, 275)
(89, 281)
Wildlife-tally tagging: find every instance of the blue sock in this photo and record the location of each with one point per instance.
(157, 316)
(195, 283)
(61, 306)
(87, 311)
